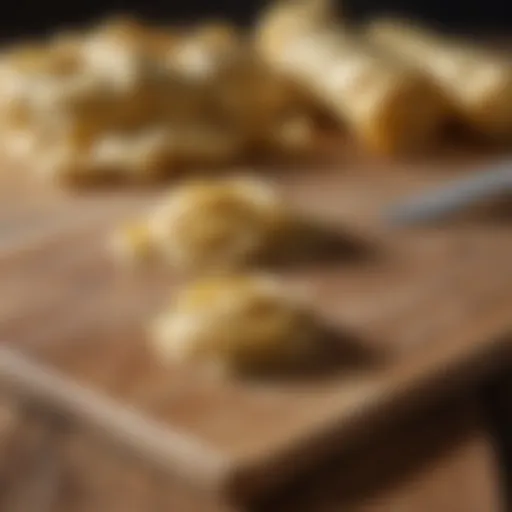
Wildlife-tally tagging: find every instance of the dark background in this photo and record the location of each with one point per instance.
(21, 17)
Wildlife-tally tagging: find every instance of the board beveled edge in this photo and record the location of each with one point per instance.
(469, 356)
(173, 451)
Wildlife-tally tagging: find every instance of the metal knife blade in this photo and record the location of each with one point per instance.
(452, 198)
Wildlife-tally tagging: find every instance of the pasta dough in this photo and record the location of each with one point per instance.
(389, 107)
(134, 103)
(477, 83)
(215, 225)
(237, 324)
(244, 94)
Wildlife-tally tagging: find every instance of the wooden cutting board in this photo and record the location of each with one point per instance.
(423, 309)
(419, 465)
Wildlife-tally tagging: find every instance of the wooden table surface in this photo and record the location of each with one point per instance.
(444, 461)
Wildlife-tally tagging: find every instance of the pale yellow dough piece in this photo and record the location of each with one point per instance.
(387, 105)
(477, 82)
(236, 324)
(218, 225)
(142, 156)
(242, 93)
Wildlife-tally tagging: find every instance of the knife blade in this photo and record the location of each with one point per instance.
(453, 198)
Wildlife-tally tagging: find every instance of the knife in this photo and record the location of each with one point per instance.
(452, 198)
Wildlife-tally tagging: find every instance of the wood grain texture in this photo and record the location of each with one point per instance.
(428, 308)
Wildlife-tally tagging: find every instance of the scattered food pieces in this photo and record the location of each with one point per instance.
(236, 324)
(215, 225)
